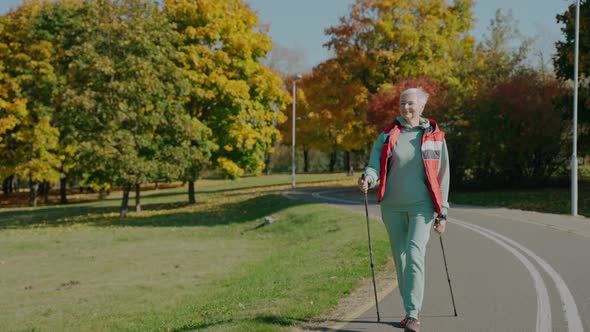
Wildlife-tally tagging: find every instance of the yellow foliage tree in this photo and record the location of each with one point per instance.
(330, 111)
(233, 93)
(28, 140)
(388, 40)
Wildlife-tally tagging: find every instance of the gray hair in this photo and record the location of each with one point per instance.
(419, 92)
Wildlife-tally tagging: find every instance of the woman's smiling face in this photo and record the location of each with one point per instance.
(410, 107)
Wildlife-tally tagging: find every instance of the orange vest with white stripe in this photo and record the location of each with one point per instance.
(431, 148)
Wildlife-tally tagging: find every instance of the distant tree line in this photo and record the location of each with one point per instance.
(508, 120)
(125, 92)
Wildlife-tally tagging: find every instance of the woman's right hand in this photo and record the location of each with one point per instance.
(363, 183)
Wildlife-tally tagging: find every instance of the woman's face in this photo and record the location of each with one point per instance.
(409, 107)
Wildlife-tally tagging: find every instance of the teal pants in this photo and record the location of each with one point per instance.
(408, 235)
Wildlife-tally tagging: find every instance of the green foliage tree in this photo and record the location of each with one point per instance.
(563, 62)
(124, 95)
(563, 59)
(60, 23)
(503, 52)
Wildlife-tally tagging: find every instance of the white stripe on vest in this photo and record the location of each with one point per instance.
(432, 145)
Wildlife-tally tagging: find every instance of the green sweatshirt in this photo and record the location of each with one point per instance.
(407, 184)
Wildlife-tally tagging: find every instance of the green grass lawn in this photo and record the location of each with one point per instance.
(175, 267)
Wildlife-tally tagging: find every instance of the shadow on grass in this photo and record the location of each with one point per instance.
(63, 215)
(263, 319)
(230, 213)
(159, 193)
(273, 320)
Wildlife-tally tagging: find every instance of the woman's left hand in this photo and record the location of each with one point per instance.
(439, 225)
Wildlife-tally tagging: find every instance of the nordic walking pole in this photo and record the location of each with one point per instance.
(371, 251)
(447, 269)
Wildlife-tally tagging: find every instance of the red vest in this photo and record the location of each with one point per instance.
(431, 148)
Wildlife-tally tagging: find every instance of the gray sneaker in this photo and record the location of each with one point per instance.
(412, 325)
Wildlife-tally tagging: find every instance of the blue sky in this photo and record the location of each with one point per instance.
(300, 24)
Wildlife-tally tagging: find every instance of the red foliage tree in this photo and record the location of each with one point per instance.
(383, 107)
(519, 130)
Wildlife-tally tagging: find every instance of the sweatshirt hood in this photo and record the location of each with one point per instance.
(424, 123)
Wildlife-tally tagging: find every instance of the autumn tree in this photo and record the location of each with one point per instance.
(498, 57)
(12, 111)
(520, 130)
(233, 93)
(60, 23)
(383, 107)
(287, 62)
(308, 130)
(124, 95)
(29, 142)
(385, 41)
(332, 117)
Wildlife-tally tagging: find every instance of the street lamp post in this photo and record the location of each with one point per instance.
(297, 77)
(574, 196)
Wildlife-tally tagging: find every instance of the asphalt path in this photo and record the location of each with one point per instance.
(510, 270)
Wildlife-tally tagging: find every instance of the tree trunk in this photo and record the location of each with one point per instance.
(33, 188)
(137, 197)
(332, 161)
(63, 193)
(125, 202)
(40, 189)
(267, 161)
(191, 192)
(46, 192)
(347, 162)
(306, 160)
(11, 184)
(7, 185)
(15, 188)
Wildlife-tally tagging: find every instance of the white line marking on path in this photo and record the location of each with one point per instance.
(572, 317)
(543, 306)
(570, 309)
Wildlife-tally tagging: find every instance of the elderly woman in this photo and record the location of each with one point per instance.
(410, 163)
